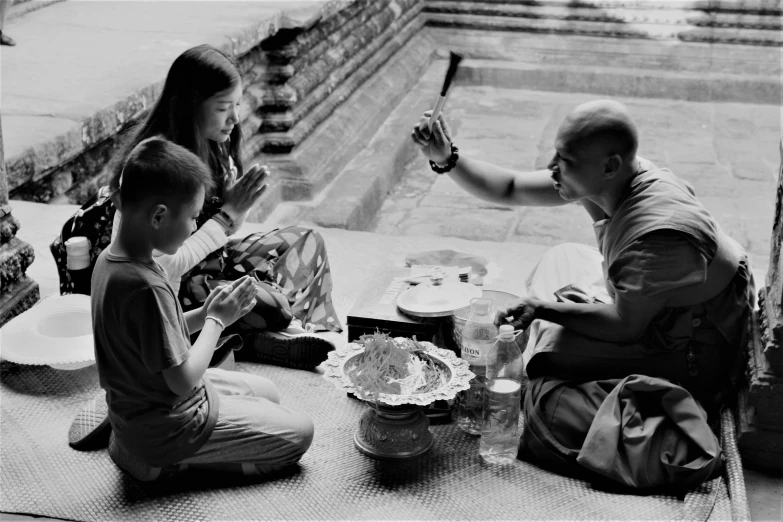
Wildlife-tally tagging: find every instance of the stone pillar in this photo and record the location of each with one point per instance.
(17, 291)
(761, 407)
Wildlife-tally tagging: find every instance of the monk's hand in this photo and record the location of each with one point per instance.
(435, 144)
(519, 315)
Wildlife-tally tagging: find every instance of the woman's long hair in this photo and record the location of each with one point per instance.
(195, 76)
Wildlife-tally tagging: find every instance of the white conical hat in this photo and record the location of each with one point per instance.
(57, 332)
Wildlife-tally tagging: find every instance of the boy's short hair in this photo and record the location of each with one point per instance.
(160, 170)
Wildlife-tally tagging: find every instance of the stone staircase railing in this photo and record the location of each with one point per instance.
(302, 81)
(17, 291)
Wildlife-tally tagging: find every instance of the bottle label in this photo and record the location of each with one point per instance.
(475, 350)
(78, 262)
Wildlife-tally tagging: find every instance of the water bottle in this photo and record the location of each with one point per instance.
(77, 251)
(505, 375)
(478, 336)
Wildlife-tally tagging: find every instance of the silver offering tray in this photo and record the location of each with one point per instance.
(395, 427)
(457, 370)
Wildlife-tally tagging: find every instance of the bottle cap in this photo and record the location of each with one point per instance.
(77, 251)
(481, 305)
(506, 331)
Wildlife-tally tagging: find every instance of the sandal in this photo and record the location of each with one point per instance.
(91, 428)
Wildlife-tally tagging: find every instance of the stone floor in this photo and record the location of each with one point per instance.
(727, 151)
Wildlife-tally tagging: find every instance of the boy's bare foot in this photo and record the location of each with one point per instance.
(6, 40)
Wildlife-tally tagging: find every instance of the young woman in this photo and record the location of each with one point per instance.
(198, 109)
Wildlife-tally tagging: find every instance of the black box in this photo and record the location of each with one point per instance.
(376, 309)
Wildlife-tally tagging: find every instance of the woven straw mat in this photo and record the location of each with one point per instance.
(42, 475)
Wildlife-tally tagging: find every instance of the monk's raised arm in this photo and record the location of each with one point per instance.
(504, 186)
(482, 179)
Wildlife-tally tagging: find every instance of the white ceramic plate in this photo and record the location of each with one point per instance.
(437, 301)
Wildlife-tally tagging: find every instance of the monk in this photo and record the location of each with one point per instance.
(675, 291)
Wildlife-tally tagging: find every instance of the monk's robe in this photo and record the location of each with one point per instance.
(661, 242)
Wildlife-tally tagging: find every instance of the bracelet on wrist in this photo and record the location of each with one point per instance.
(224, 216)
(218, 321)
(450, 163)
(223, 223)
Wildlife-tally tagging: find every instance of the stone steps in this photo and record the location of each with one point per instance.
(599, 64)
(358, 60)
(596, 51)
(617, 22)
(303, 78)
(631, 14)
(614, 81)
(345, 133)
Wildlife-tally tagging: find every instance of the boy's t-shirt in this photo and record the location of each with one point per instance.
(140, 331)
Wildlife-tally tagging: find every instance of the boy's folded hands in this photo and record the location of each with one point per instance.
(230, 302)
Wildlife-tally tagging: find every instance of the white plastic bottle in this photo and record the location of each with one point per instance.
(478, 336)
(77, 251)
(504, 377)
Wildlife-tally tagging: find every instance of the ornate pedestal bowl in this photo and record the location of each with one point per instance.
(394, 426)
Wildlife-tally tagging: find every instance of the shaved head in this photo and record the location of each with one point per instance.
(604, 126)
(595, 154)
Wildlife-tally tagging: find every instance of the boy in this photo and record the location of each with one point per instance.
(165, 406)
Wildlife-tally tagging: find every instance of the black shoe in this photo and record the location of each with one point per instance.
(293, 347)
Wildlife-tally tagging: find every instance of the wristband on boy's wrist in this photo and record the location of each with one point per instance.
(224, 215)
(451, 162)
(220, 219)
(218, 321)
